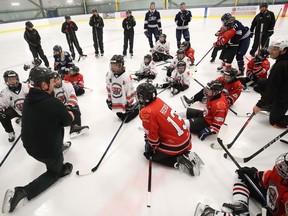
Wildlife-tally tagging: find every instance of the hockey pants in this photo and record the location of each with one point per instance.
(10, 113)
(186, 36)
(155, 32)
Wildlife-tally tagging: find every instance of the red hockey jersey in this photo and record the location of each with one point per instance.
(165, 130)
(232, 91)
(277, 192)
(215, 113)
(225, 37)
(75, 80)
(259, 70)
(190, 54)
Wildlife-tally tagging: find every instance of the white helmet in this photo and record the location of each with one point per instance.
(282, 44)
(281, 165)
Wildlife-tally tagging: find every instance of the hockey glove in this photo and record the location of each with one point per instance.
(26, 67)
(109, 104)
(251, 172)
(76, 87)
(2, 113)
(204, 133)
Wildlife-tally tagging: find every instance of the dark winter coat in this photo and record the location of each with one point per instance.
(277, 88)
(43, 120)
(129, 23)
(268, 20)
(32, 37)
(96, 22)
(69, 29)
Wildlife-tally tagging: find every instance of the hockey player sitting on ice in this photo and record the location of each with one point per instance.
(11, 101)
(232, 89)
(257, 68)
(120, 90)
(161, 50)
(76, 79)
(179, 57)
(35, 63)
(273, 184)
(147, 69)
(179, 80)
(230, 46)
(63, 60)
(65, 92)
(189, 51)
(210, 120)
(167, 138)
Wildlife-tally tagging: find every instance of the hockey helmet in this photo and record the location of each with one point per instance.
(11, 74)
(226, 17)
(215, 86)
(181, 66)
(230, 75)
(74, 70)
(185, 45)
(281, 44)
(146, 93)
(147, 59)
(67, 17)
(117, 64)
(57, 48)
(180, 54)
(29, 24)
(37, 62)
(263, 54)
(162, 37)
(281, 165)
(39, 74)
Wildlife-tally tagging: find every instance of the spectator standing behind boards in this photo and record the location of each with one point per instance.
(152, 24)
(182, 19)
(97, 24)
(266, 18)
(69, 28)
(128, 26)
(33, 39)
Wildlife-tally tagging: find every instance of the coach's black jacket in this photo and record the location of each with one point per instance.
(43, 119)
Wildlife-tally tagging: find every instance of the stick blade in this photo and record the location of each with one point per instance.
(217, 146)
(284, 141)
(149, 200)
(84, 173)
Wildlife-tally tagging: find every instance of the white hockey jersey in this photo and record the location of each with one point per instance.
(66, 94)
(120, 91)
(12, 99)
(183, 78)
(161, 47)
(186, 59)
(148, 69)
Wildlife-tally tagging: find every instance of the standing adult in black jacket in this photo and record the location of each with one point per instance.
(69, 28)
(97, 30)
(274, 90)
(266, 18)
(33, 39)
(43, 121)
(128, 26)
(152, 24)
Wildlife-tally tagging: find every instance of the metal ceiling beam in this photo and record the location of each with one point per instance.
(40, 6)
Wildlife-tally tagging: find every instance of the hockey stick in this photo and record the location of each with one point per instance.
(149, 182)
(246, 159)
(165, 62)
(247, 114)
(260, 39)
(204, 56)
(88, 89)
(163, 89)
(8, 153)
(237, 136)
(98, 164)
(284, 141)
(239, 167)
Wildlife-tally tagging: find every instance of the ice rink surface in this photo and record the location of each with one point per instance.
(119, 186)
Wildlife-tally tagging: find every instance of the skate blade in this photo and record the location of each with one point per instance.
(76, 134)
(6, 202)
(199, 209)
(184, 102)
(197, 158)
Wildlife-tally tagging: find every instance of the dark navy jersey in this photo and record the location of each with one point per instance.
(182, 19)
(152, 20)
(242, 32)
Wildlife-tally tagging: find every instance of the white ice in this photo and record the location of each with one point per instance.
(119, 186)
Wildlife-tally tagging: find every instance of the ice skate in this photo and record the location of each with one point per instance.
(204, 210)
(66, 145)
(97, 55)
(67, 169)
(185, 165)
(18, 120)
(237, 208)
(131, 55)
(11, 137)
(220, 69)
(186, 101)
(78, 130)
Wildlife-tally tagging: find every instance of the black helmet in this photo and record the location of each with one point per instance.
(119, 60)
(232, 72)
(181, 64)
(215, 86)
(226, 17)
(146, 93)
(29, 24)
(11, 73)
(74, 70)
(57, 48)
(264, 4)
(39, 74)
(264, 53)
(185, 45)
(149, 57)
(228, 20)
(179, 52)
(37, 62)
(67, 17)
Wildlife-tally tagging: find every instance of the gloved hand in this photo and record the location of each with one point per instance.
(76, 87)
(149, 151)
(2, 113)
(204, 133)
(251, 35)
(66, 30)
(251, 172)
(26, 67)
(160, 31)
(270, 33)
(215, 44)
(109, 104)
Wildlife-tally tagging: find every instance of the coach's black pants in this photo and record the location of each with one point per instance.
(128, 37)
(39, 51)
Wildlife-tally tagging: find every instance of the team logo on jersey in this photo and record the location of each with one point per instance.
(161, 49)
(272, 196)
(18, 104)
(61, 96)
(116, 90)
